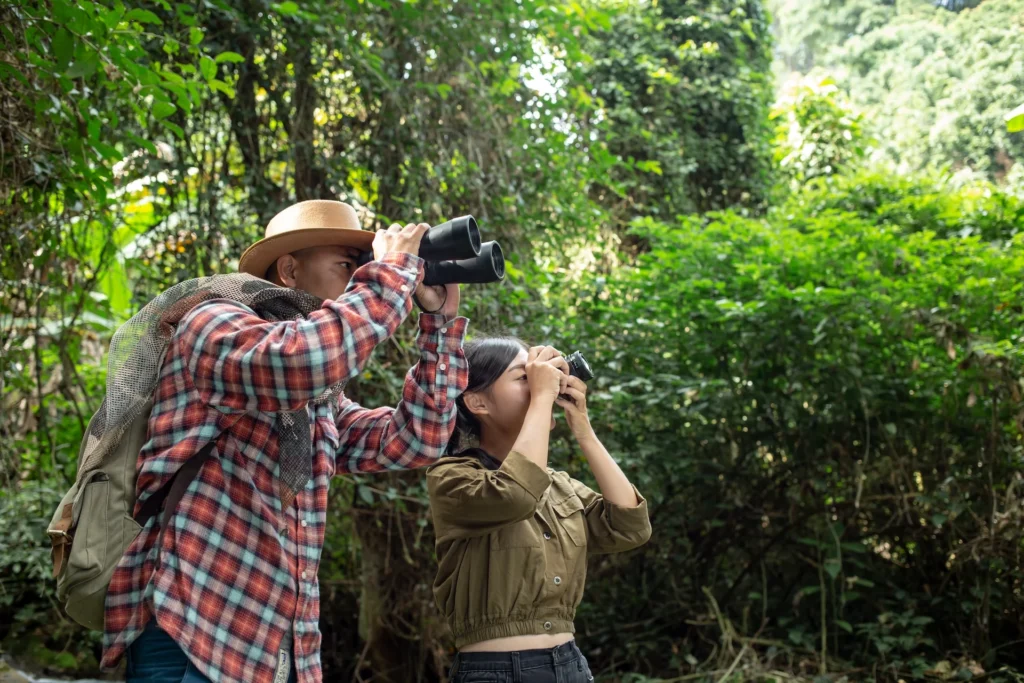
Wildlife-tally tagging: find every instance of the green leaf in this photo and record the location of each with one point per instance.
(195, 36)
(223, 87)
(142, 16)
(145, 144)
(208, 68)
(845, 625)
(63, 48)
(286, 8)
(11, 71)
(833, 566)
(366, 494)
(93, 127)
(939, 519)
(1015, 120)
(228, 57)
(162, 109)
(84, 67)
(890, 428)
(175, 128)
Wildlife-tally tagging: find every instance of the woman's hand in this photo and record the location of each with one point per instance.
(546, 373)
(573, 400)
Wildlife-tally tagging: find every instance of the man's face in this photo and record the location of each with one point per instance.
(324, 272)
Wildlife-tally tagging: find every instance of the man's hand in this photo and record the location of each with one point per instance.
(398, 239)
(443, 299)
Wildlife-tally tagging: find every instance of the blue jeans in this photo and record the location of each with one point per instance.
(562, 664)
(154, 657)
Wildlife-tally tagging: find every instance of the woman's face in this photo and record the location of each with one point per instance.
(508, 399)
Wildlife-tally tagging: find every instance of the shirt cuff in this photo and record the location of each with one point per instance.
(628, 519)
(525, 472)
(403, 261)
(440, 334)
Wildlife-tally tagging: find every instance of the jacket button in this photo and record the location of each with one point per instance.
(547, 535)
(558, 580)
(547, 625)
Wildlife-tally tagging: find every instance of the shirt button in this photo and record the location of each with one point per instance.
(442, 367)
(404, 288)
(304, 523)
(547, 535)
(547, 625)
(303, 574)
(444, 330)
(558, 580)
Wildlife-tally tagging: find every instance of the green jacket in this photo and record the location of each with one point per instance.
(512, 544)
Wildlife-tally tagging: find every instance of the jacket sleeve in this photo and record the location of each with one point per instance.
(239, 362)
(612, 528)
(467, 500)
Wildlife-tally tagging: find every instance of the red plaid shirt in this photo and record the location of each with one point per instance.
(236, 573)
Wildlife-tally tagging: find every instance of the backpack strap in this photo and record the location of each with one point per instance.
(164, 501)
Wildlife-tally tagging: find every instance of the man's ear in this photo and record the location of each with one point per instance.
(475, 403)
(284, 268)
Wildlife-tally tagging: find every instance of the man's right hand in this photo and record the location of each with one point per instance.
(398, 239)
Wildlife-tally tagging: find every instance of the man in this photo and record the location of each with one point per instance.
(228, 591)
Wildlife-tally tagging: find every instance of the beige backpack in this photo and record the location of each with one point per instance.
(93, 526)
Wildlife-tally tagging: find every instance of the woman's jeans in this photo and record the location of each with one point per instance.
(562, 664)
(154, 657)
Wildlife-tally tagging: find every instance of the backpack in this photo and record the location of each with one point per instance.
(94, 523)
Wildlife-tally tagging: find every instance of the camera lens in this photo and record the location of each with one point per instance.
(579, 367)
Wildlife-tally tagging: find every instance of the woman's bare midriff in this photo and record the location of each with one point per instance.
(544, 641)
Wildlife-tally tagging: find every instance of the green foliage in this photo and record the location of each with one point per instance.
(816, 133)
(685, 89)
(935, 85)
(824, 408)
(1015, 120)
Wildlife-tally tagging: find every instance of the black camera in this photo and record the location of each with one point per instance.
(454, 255)
(579, 367)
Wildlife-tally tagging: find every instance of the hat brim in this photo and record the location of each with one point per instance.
(258, 258)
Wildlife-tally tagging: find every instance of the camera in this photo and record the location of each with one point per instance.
(454, 254)
(579, 367)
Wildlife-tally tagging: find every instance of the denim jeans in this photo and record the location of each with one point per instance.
(562, 664)
(154, 657)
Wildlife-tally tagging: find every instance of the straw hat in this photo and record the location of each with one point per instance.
(316, 223)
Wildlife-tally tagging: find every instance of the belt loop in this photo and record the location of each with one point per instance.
(517, 671)
(455, 668)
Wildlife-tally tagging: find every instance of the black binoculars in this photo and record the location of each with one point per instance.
(454, 255)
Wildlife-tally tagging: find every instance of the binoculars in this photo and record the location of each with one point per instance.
(454, 255)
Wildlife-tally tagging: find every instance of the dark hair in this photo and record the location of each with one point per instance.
(488, 358)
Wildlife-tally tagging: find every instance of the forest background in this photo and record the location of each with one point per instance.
(789, 235)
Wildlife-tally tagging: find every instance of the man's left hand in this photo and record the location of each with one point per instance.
(442, 299)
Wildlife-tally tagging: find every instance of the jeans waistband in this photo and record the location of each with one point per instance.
(527, 659)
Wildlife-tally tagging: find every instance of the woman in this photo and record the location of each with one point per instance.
(513, 534)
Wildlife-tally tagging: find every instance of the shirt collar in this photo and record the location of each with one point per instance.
(489, 461)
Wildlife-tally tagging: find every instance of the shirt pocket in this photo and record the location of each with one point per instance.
(569, 517)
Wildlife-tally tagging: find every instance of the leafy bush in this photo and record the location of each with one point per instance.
(824, 408)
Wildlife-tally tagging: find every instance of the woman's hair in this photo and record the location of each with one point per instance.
(488, 358)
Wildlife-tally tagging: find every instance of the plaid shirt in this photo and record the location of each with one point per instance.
(237, 573)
